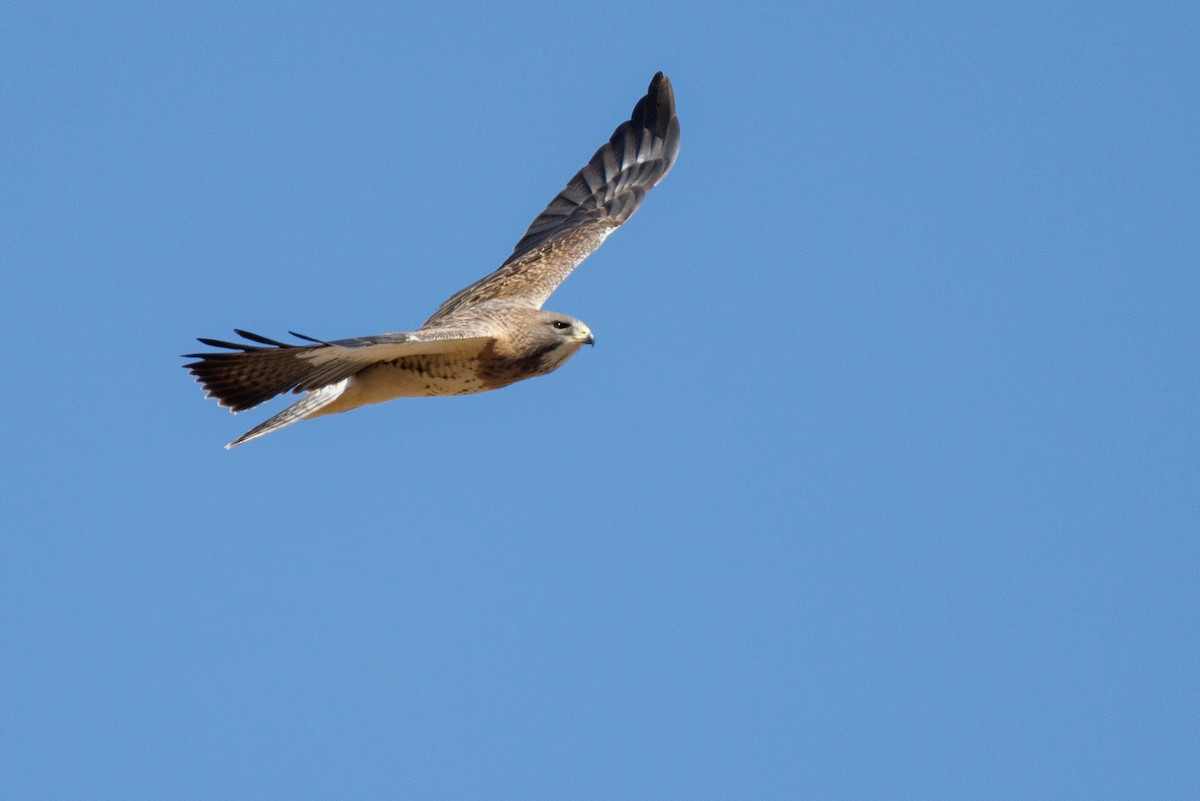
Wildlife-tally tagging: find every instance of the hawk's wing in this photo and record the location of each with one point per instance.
(601, 196)
(247, 375)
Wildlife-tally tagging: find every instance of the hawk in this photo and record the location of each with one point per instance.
(492, 333)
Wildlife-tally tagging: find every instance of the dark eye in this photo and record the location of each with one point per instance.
(561, 325)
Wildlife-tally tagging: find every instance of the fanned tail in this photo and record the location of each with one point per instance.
(251, 374)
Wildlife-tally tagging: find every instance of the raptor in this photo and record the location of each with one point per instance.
(492, 333)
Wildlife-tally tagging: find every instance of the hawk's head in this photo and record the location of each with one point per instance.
(569, 331)
(540, 341)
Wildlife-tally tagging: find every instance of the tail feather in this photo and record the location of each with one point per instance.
(252, 374)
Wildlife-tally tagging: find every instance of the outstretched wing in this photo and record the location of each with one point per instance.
(601, 196)
(244, 375)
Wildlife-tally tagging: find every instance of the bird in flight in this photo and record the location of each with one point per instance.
(490, 334)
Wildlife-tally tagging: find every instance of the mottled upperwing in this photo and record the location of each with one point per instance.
(601, 196)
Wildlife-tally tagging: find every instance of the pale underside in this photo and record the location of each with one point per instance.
(420, 376)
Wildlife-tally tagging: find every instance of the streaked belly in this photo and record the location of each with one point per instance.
(409, 377)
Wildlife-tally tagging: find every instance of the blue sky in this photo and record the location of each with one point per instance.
(881, 481)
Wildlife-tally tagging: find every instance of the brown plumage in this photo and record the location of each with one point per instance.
(486, 336)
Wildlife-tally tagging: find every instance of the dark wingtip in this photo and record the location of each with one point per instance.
(308, 338)
(220, 343)
(242, 346)
(656, 111)
(261, 339)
